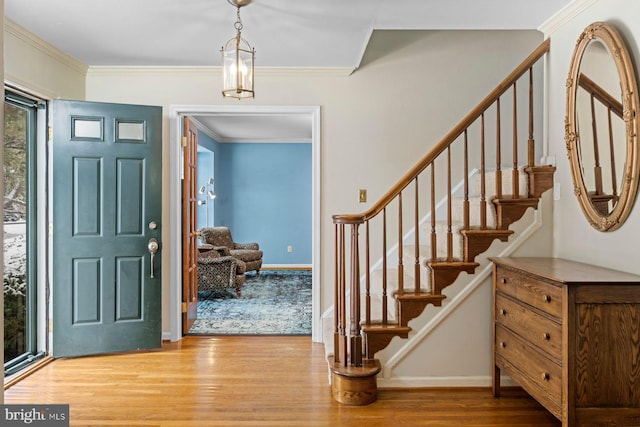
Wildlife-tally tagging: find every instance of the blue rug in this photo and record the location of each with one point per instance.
(277, 302)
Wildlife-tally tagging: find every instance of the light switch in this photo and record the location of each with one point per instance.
(362, 196)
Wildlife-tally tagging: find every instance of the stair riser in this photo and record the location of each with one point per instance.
(507, 180)
(392, 280)
(409, 254)
(442, 237)
(376, 307)
(475, 212)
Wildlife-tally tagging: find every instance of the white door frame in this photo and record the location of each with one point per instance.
(176, 112)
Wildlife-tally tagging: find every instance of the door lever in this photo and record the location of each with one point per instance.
(153, 248)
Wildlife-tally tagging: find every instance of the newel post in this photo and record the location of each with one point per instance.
(356, 337)
(348, 347)
(353, 380)
(339, 334)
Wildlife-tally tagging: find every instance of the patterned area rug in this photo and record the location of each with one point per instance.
(277, 302)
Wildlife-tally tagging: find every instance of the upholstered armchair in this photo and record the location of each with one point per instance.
(220, 238)
(218, 272)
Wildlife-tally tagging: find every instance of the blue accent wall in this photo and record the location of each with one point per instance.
(263, 194)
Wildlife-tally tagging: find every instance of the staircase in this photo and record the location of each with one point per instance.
(373, 308)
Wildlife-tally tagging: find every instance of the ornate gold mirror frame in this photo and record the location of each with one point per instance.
(605, 211)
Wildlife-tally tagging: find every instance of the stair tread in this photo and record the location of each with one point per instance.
(510, 199)
(534, 168)
(490, 231)
(443, 263)
(378, 328)
(422, 295)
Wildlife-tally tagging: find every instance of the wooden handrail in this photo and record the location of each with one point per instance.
(600, 94)
(447, 140)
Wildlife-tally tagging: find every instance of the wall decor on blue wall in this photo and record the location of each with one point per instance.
(205, 184)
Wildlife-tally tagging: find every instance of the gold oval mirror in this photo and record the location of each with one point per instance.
(601, 128)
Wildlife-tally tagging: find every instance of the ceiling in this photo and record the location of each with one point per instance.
(284, 33)
(256, 127)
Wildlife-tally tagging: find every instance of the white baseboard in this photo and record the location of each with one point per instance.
(285, 267)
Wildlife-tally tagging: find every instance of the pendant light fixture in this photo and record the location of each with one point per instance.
(237, 61)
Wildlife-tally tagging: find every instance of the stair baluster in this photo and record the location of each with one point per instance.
(515, 180)
(400, 246)
(498, 152)
(531, 143)
(416, 267)
(449, 214)
(385, 296)
(465, 203)
(483, 179)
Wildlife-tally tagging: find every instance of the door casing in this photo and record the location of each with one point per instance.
(176, 113)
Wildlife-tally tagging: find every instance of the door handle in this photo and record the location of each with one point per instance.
(153, 248)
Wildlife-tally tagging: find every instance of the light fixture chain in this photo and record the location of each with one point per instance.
(238, 24)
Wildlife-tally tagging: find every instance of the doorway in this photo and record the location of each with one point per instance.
(176, 114)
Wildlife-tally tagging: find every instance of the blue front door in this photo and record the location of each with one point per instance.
(107, 194)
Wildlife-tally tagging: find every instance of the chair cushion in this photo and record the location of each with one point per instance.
(246, 255)
(209, 254)
(218, 236)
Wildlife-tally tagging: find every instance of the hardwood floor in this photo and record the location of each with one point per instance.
(249, 381)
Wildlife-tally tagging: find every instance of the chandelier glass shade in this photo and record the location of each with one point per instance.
(237, 62)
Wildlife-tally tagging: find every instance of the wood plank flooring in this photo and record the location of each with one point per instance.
(249, 381)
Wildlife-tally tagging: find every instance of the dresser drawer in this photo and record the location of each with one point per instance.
(537, 293)
(539, 375)
(533, 327)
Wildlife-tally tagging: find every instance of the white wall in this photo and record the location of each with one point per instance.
(574, 238)
(376, 122)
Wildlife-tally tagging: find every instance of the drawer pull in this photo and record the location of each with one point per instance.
(504, 280)
(503, 312)
(546, 336)
(503, 344)
(546, 298)
(545, 376)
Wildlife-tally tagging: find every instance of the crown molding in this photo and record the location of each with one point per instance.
(565, 15)
(43, 46)
(207, 131)
(211, 70)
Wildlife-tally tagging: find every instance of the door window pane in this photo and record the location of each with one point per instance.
(87, 128)
(130, 131)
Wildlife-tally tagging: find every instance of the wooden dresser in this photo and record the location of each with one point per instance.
(569, 334)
